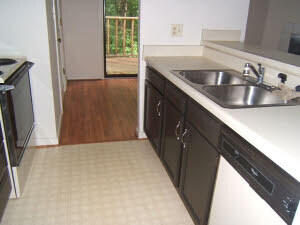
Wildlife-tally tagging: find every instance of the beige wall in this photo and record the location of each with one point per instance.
(83, 38)
(257, 16)
(271, 22)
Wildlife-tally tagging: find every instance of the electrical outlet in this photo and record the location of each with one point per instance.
(176, 30)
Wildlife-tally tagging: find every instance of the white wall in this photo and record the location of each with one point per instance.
(195, 15)
(83, 38)
(24, 28)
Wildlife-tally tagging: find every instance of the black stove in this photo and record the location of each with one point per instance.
(8, 66)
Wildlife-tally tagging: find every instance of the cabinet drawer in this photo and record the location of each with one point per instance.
(155, 79)
(175, 96)
(204, 122)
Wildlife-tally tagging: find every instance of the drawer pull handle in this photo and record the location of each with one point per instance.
(176, 130)
(158, 108)
(182, 138)
(255, 173)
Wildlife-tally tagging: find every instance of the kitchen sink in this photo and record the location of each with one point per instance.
(211, 77)
(243, 96)
(230, 89)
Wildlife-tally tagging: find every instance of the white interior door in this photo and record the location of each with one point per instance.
(83, 38)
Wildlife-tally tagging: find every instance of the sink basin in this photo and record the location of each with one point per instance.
(211, 77)
(242, 96)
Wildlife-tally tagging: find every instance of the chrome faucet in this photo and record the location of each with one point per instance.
(258, 73)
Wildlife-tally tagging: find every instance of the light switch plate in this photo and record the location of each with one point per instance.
(176, 30)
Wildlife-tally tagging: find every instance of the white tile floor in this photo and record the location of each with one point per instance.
(115, 183)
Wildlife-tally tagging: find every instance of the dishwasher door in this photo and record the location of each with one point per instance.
(235, 202)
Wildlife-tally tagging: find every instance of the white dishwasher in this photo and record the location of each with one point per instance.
(250, 189)
(236, 203)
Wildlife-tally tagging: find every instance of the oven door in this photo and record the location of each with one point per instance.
(19, 103)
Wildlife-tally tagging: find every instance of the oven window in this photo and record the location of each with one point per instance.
(22, 111)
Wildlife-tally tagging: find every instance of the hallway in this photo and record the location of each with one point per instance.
(99, 111)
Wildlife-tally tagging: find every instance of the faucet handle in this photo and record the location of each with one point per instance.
(261, 69)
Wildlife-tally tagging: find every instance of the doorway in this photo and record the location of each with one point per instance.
(96, 109)
(121, 38)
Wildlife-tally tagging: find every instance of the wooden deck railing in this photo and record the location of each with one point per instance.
(117, 27)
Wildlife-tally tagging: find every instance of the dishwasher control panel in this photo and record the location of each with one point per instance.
(280, 190)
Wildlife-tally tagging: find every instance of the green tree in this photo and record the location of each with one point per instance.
(121, 7)
(127, 8)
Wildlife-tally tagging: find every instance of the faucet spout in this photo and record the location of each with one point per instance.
(258, 73)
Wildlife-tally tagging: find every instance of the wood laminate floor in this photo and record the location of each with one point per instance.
(99, 110)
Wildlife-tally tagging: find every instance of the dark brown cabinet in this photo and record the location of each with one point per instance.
(198, 174)
(153, 115)
(171, 148)
(154, 106)
(184, 135)
(173, 122)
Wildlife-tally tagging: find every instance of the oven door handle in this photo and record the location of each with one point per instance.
(5, 88)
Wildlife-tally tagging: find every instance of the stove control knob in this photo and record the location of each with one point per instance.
(290, 205)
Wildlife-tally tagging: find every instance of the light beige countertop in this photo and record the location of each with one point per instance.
(275, 131)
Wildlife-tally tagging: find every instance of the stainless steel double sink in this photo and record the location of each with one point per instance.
(231, 90)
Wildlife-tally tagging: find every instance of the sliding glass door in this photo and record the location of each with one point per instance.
(121, 38)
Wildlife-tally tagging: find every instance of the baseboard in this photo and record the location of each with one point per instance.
(43, 141)
(140, 134)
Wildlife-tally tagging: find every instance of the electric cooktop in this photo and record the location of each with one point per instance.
(8, 66)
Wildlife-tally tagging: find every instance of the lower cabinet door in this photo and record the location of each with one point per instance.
(198, 174)
(171, 147)
(153, 116)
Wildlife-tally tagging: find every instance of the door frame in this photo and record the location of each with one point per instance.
(60, 46)
(117, 76)
(62, 82)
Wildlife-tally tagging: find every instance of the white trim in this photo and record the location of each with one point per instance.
(43, 141)
(140, 134)
(83, 77)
